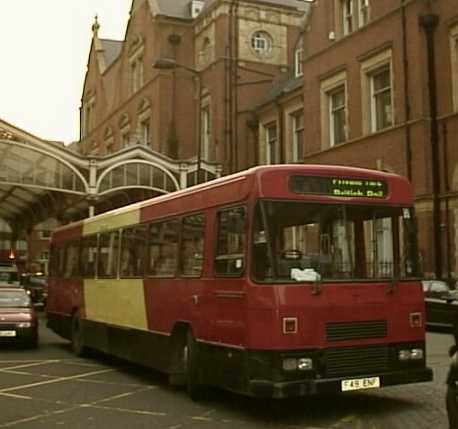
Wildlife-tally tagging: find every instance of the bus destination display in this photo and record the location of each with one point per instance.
(339, 186)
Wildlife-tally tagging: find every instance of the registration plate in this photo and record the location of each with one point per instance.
(360, 383)
(7, 333)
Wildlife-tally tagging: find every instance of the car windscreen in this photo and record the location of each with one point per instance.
(14, 299)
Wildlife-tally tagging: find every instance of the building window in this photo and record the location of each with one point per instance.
(44, 256)
(347, 16)
(262, 43)
(205, 133)
(109, 140)
(297, 128)
(298, 61)
(353, 14)
(144, 135)
(334, 110)
(380, 99)
(454, 62)
(271, 143)
(145, 132)
(377, 92)
(363, 17)
(124, 126)
(45, 234)
(125, 139)
(88, 119)
(337, 116)
(136, 74)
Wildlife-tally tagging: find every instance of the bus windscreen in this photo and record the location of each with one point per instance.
(308, 241)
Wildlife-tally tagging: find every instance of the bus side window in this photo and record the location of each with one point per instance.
(108, 254)
(231, 239)
(133, 250)
(72, 260)
(192, 242)
(163, 248)
(61, 261)
(88, 256)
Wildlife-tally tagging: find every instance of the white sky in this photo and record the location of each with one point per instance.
(44, 48)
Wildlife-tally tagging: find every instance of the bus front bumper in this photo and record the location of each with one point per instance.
(266, 388)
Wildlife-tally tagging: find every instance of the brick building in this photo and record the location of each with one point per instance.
(202, 108)
(380, 89)
(357, 82)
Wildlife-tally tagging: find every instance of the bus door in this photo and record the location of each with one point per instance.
(228, 291)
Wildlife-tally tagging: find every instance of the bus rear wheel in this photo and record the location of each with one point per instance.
(193, 363)
(78, 346)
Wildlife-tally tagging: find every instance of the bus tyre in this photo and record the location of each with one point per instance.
(196, 390)
(77, 337)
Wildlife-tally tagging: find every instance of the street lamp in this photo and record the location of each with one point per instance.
(171, 64)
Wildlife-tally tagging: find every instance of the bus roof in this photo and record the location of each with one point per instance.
(260, 180)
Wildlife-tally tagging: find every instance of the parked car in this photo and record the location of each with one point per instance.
(18, 319)
(9, 275)
(441, 304)
(36, 285)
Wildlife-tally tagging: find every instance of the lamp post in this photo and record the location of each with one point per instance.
(171, 64)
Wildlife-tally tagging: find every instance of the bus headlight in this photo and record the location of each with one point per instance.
(410, 354)
(297, 364)
(304, 364)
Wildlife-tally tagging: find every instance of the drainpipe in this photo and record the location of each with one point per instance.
(405, 60)
(429, 24)
(448, 240)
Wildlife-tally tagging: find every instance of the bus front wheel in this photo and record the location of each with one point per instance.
(78, 346)
(193, 361)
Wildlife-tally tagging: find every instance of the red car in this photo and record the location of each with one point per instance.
(18, 319)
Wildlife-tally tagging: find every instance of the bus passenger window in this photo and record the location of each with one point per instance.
(133, 251)
(88, 256)
(71, 260)
(231, 238)
(192, 245)
(163, 248)
(108, 254)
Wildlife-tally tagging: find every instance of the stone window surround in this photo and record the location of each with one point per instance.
(368, 67)
(327, 86)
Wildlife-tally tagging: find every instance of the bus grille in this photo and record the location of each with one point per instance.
(356, 360)
(339, 331)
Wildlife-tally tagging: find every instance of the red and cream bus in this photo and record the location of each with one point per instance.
(277, 281)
